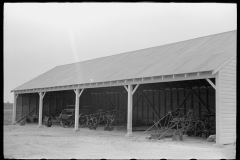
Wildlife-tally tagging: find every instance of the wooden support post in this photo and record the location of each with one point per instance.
(129, 115)
(40, 110)
(14, 107)
(77, 96)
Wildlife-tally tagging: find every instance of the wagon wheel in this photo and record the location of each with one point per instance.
(65, 124)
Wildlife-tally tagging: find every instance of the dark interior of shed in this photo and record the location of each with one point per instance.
(151, 101)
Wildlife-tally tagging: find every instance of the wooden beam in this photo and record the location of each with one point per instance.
(81, 92)
(150, 104)
(183, 101)
(200, 100)
(125, 88)
(135, 89)
(109, 100)
(209, 81)
(101, 102)
(43, 94)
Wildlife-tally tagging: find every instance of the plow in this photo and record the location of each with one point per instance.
(177, 126)
(109, 118)
(92, 121)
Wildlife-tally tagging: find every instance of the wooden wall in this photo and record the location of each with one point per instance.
(161, 100)
(227, 104)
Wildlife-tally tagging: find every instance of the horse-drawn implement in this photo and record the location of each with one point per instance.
(179, 125)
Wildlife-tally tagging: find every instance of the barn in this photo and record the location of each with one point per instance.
(197, 74)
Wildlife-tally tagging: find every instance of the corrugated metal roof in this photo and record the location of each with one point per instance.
(195, 55)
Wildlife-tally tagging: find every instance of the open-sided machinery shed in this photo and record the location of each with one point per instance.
(146, 83)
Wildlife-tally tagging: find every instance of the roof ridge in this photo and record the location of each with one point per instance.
(148, 48)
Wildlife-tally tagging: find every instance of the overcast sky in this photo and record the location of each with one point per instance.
(40, 36)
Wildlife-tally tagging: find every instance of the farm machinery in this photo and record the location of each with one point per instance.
(87, 118)
(177, 125)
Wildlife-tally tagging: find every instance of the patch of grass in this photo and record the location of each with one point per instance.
(7, 117)
(8, 106)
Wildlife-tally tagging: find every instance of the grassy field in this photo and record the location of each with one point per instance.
(7, 117)
(8, 106)
(7, 113)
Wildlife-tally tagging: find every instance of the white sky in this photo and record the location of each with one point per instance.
(40, 36)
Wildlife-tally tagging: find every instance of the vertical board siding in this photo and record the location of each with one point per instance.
(25, 104)
(33, 101)
(156, 102)
(204, 100)
(161, 100)
(58, 101)
(53, 105)
(211, 99)
(181, 98)
(188, 101)
(174, 98)
(64, 100)
(168, 101)
(46, 103)
(150, 113)
(135, 109)
(195, 105)
(227, 82)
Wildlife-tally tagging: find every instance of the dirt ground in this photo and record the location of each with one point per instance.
(31, 142)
